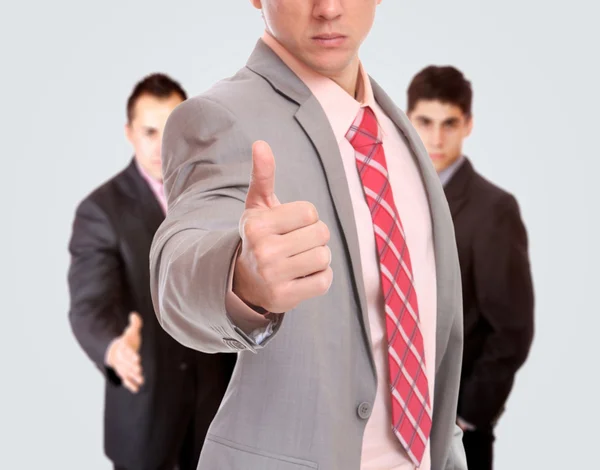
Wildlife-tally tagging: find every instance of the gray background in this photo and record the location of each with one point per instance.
(67, 69)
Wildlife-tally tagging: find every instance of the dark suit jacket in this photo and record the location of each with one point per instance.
(108, 278)
(497, 288)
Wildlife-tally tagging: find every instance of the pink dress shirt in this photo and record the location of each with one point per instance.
(157, 187)
(381, 449)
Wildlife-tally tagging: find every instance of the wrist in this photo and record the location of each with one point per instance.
(110, 352)
(239, 288)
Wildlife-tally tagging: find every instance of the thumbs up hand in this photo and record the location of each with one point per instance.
(124, 357)
(284, 257)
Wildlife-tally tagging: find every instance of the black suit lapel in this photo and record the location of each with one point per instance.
(456, 188)
(146, 206)
(140, 215)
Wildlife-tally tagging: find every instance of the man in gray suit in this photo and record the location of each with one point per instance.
(331, 269)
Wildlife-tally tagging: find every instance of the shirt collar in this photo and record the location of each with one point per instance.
(154, 184)
(157, 187)
(446, 174)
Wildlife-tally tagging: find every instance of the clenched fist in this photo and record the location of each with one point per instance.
(284, 257)
(124, 354)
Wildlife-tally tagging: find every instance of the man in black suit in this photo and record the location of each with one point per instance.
(492, 244)
(160, 396)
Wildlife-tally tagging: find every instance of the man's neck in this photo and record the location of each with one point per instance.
(348, 78)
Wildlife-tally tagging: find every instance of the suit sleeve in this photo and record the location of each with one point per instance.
(207, 164)
(458, 457)
(446, 435)
(505, 299)
(95, 285)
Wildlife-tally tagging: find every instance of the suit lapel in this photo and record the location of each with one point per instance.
(311, 117)
(313, 120)
(145, 205)
(456, 187)
(439, 212)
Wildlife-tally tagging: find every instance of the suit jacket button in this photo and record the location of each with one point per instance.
(183, 366)
(234, 344)
(364, 410)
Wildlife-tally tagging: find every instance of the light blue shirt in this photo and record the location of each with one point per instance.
(447, 173)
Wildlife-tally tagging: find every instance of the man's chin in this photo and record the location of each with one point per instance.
(440, 162)
(157, 172)
(439, 165)
(329, 62)
(156, 175)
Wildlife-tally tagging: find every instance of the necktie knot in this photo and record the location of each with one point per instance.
(364, 131)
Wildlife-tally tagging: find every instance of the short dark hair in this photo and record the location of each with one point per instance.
(440, 83)
(158, 85)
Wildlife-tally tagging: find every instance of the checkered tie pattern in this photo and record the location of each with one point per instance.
(411, 407)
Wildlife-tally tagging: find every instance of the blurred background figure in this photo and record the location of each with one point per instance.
(498, 297)
(160, 396)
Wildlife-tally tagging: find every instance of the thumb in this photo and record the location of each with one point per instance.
(135, 324)
(261, 192)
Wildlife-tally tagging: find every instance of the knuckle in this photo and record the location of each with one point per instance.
(310, 214)
(322, 255)
(249, 230)
(323, 233)
(253, 228)
(263, 254)
(324, 281)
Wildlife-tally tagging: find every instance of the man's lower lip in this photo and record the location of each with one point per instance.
(330, 42)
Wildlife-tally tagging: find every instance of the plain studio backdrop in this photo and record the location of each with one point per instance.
(67, 69)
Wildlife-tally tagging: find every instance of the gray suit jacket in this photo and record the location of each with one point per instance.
(302, 398)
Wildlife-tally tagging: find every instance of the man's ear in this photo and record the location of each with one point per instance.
(129, 132)
(469, 126)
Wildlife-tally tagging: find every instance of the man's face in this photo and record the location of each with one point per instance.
(323, 34)
(146, 128)
(442, 127)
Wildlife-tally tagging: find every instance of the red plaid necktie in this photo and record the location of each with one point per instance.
(411, 408)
